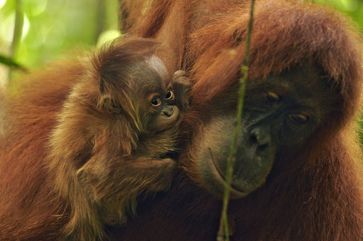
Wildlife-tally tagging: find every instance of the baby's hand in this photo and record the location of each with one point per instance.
(181, 86)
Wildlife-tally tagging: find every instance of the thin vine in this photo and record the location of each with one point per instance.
(18, 30)
(224, 232)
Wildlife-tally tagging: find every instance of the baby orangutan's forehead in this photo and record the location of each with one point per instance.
(146, 78)
(149, 75)
(158, 65)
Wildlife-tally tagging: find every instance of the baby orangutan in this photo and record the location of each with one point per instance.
(116, 127)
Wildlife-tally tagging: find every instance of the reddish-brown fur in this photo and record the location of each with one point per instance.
(317, 198)
(27, 204)
(106, 147)
(92, 138)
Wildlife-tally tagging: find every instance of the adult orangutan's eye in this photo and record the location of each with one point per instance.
(272, 97)
(299, 118)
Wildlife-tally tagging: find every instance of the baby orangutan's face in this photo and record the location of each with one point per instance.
(162, 105)
(163, 111)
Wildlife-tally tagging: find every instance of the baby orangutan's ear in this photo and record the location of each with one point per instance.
(108, 103)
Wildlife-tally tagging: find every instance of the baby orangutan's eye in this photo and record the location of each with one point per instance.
(170, 95)
(155, 101)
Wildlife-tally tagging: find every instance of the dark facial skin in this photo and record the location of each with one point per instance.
(166, 115)
(162, 105)
(280, 115)
(166, 105)
(163, 114)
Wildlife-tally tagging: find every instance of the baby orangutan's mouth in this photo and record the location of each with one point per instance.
(172, 126)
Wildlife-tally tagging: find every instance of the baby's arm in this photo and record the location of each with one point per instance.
(114, 183)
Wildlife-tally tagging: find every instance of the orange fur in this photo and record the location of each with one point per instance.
(318, 196)
(86, 165)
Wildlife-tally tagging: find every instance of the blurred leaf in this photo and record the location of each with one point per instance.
(11, 63)
(108, 36)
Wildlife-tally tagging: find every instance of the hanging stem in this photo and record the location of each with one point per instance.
(223, 232)
(18, 30)
(101, 18)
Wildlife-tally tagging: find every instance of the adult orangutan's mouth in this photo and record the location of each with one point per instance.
(220, 178)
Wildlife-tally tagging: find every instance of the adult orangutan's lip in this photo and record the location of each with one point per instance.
(218, 174)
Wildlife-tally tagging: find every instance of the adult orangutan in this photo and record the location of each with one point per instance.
(298, 167)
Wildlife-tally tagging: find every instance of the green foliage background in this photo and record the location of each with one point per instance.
(351, 8)
(52, 28)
